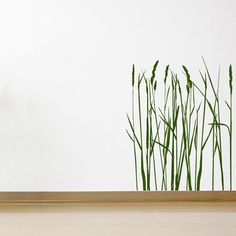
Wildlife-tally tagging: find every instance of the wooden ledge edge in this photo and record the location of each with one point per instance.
(119, 197)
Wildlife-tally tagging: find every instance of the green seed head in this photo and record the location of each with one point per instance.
(230, 79)
(189, 82)
(154, 72)
(146, 85)
(133, 74)
(166, 73)
(155, 85)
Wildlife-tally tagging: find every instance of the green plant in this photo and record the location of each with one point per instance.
(230, 129)
(169, 135)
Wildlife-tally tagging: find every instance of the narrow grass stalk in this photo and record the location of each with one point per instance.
(196, 147)
(150, 88)
(152, 139)
(182, 149)
(231, 125)
(214, 136)
(213, 160)
(147, 136)
(202, 135)
(175, 111)
(133, 123)
(188, 112)
(141, 134)
(167, 130)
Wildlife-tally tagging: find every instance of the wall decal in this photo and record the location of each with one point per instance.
(175, 125)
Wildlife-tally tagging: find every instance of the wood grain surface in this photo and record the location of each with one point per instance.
(94, 197)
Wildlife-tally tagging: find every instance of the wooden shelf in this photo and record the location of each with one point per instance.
(112, 197)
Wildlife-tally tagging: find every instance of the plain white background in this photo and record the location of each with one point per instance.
(65, 69)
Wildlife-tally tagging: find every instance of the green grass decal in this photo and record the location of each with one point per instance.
(172, 121)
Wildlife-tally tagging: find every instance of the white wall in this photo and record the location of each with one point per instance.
(65, 71)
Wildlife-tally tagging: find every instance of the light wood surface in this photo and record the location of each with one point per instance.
(116, 219)
(195, 214)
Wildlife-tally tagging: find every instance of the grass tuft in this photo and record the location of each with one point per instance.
(169, 134)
